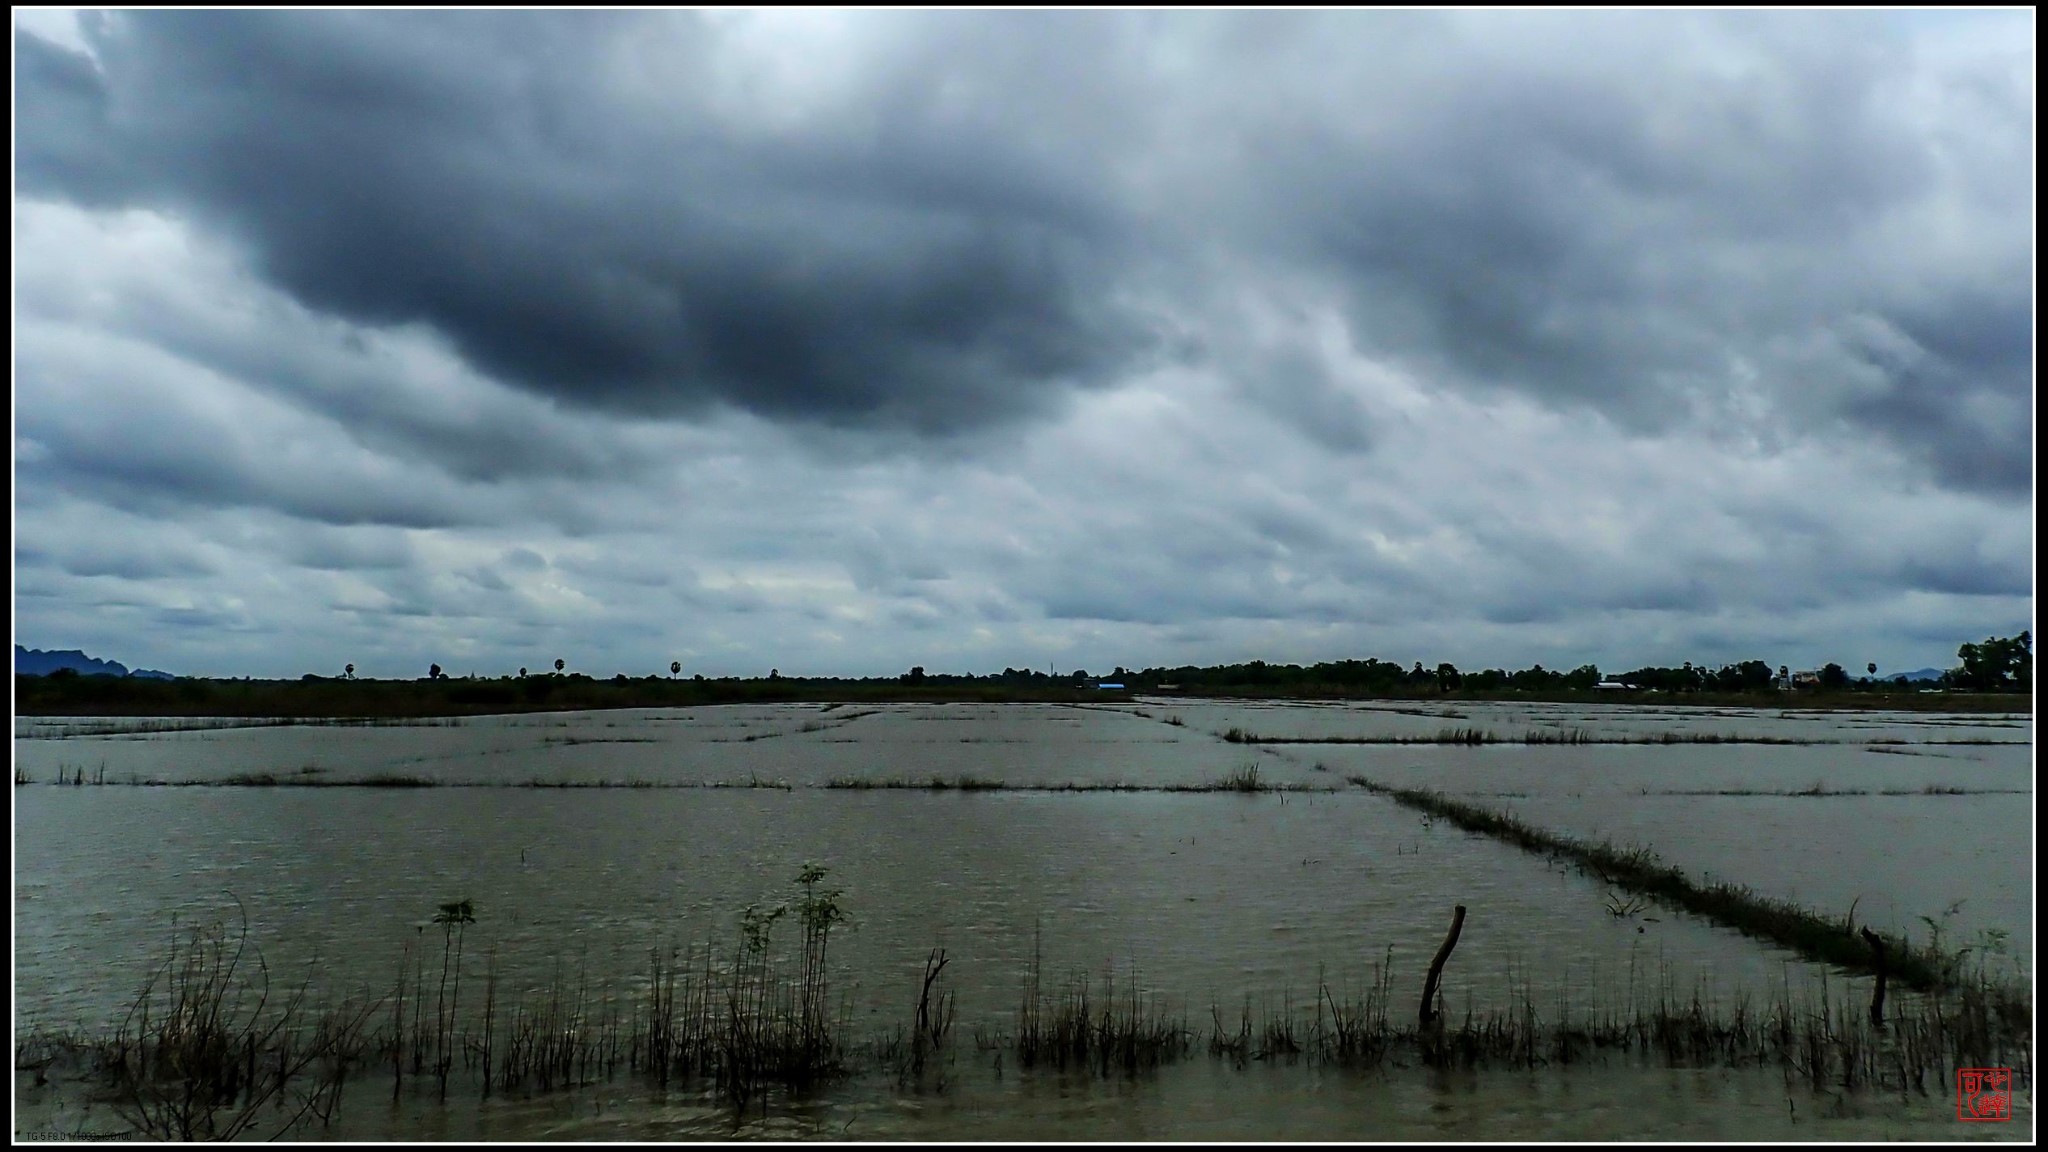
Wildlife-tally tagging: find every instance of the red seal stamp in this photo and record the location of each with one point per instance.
(1983, 1094)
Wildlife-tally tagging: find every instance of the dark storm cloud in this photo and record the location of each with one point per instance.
(133, 564)
(1961, 396)
(1650, 216)
(184, 463)
(1618, 231)
(477, 175)
(933, 222)
(65, 144)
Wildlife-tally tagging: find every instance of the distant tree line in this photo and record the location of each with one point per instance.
(1349, 677)
(1993, 666)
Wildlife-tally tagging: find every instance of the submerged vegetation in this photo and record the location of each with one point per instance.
(1105, 1034)
(207, 1051)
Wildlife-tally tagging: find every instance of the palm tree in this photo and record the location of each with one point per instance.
(558, 667)
(1871, 668)
(349, 672)
(675, 668)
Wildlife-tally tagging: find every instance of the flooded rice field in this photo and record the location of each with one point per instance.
(1210, 875)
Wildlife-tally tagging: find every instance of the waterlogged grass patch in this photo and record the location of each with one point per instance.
(1246, 779)
(209, 1052)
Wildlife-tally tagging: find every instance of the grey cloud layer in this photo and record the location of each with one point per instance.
(484, 176)
(845, 343)
(937, 222)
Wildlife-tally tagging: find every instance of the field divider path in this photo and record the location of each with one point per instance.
(1639, 870)
(1243, 780)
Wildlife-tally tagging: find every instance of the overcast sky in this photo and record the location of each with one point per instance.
(838, 342)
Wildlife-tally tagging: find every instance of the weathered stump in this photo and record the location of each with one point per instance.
(1876, 943)
(1429, 1014)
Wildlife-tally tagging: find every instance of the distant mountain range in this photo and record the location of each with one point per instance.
(36, 662)
(1922, 674)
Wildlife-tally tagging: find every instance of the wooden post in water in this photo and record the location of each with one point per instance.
(1876, 943)
(1436, 966)
(929, 1027)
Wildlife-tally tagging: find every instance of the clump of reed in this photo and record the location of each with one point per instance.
(1354, 1031)
(573, 741)
(778, 1029)
(204, 1054)
(559, 1036)
(759, 1020)
(381, 780)
(961, 783)
(1622, 906)
(1572, 736)
(1073, 1029)
(273, 780)
(1714, 738)
(918, 1049)
(1245, 778)
(674, 1035)
(1824, 1037)
(753, 780)
(1276, 1036)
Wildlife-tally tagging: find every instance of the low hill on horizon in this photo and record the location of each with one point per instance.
(36, 662)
